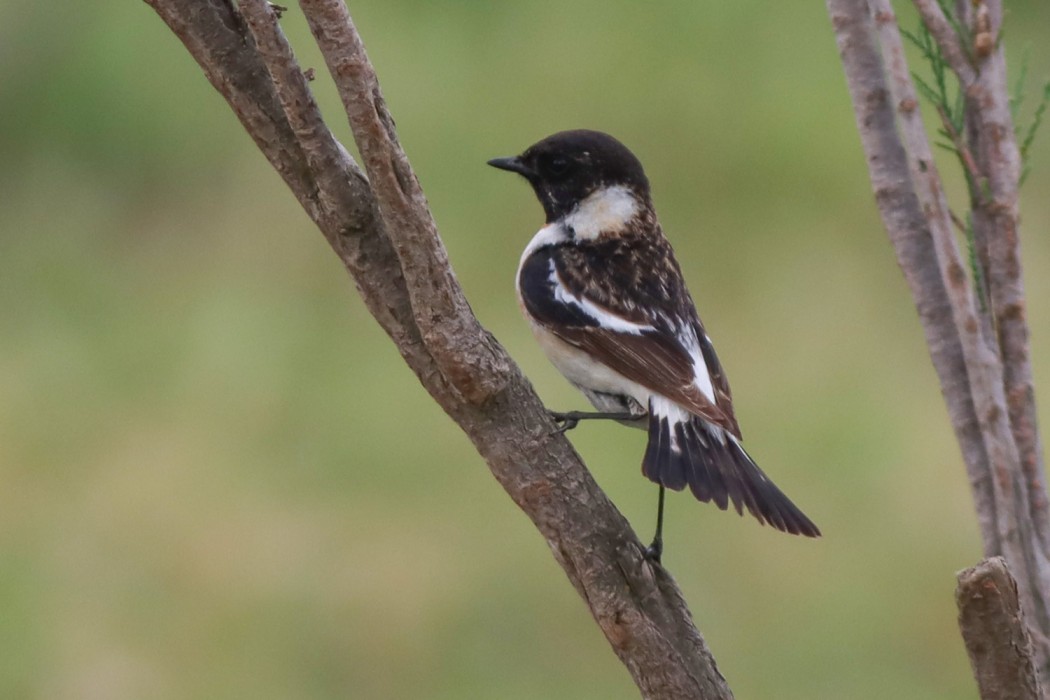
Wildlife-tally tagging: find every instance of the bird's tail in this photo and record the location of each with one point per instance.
(687, 450)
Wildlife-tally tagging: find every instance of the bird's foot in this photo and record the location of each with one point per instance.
(570, 419)
(566, 421)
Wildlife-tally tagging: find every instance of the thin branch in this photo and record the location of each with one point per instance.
(442, 313)
(637, 605)
(948, 39)
(1037, 120)
(983, 367)
(994, 631)
(974, 178)
(978, 248)
(215, 37)
(327, 160)
(997, 219)
(960, 225)
(996, 224)
(917, 216)
(905, 223)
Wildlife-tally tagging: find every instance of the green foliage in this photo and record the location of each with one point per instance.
(1017, 95)
(976, 270)
(1026, 136)
(944, 94)
(1029, 133)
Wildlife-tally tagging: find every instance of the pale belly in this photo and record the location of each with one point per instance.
(606, 389)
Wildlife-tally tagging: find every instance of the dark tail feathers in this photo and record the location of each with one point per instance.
(717, 469)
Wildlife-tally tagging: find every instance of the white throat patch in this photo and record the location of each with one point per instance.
(606, 211)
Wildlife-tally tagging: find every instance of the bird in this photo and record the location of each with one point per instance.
(607, 302)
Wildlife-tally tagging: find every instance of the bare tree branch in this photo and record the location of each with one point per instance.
(997, 220)
(905, 223)
(996, 224)
(990, 134)
(975, 179)
(949, 42)
(986, 381)
(453, 335)
(214, 35)
(984, 369)
(385, 237)
(995, 632)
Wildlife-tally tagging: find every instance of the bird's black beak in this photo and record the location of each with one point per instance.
(514, 164)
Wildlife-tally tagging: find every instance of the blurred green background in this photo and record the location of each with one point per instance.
(218, 479)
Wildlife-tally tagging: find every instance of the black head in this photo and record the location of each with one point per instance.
(565, 168)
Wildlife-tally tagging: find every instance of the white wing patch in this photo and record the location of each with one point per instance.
(701, 375)
(606, 210)
(604, 318)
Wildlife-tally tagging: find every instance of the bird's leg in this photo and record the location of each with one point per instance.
(570, 419)
(653, 551)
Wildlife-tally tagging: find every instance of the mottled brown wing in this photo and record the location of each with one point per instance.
(586, 293)
(658, 362)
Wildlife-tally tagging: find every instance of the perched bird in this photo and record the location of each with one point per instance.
(606, 300)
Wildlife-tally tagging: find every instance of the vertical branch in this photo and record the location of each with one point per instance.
(905, 223)
(994, 145)
(996, 218)
(973, 378)
(984, 368)
(996, 221)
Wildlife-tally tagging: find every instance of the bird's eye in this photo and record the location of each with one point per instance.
(558, 165)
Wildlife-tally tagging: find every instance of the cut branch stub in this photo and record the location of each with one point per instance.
(995, 633)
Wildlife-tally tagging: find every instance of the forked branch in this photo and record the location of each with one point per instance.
(381, 229)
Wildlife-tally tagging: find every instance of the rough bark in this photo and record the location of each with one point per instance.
(984, 368)
(381, 229)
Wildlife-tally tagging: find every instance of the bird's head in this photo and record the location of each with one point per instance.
(581, 167)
